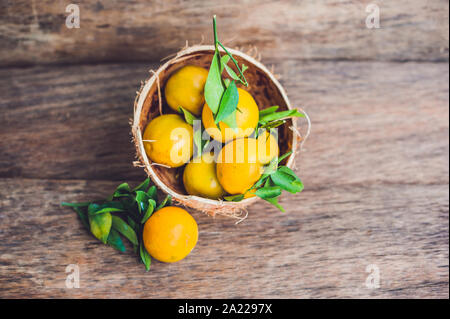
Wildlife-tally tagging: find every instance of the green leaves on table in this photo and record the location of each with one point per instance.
(272, 182)
(123, 228)
(149, 211)
(221, 95)
(109, 206)
(100, 225)
(122, 215)
(145, 257)
(115, 241)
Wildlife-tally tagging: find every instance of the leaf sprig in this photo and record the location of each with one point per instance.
(272, 182)
(270, 118)
(222, 97)
(122, 215)
(275, 178)
(221, 94)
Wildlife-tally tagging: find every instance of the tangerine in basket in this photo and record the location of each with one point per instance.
(200, 178)
(267, 147)
(247, 116)
(170, 234)
(168, 140)
(185, 88)
(238, 167)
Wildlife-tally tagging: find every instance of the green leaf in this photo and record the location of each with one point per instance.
(226, 82)
(231, 73)
(287, 170)
(166, 201)
(242, 79)
(83, 217)
(269, 110)
(149, 212)
(142, 201)
(261, 181)
(224, 61)
(122, 227)
(214, 87)
(286, 181)
(145, 257)
(224, 66)
(100, 225)
(273, 124)
(274, 201)
(115, 241)
(188, 116)
(132, 224)
(143, 186)
(234, 198)
(279, 116)
(271, 167)
(228, 103)
(152, 192)
(85, 204)
(268, 183)
(197, 139)
(122, 189)
(282, 157)
(268, 192)
(110, 206)
(129, 205)
(231, 121)
(298, 183)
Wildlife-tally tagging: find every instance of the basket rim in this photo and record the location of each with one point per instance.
(137, 132)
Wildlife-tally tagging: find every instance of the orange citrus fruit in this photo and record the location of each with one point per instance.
(238, 167)
(170, 234)
(185, 88)
(168, 140)
(267, 147)
(200, 178)
(247, 117)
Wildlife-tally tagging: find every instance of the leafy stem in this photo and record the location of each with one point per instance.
(216, 39)
(220, 93)
(122, 215)
(242, 78)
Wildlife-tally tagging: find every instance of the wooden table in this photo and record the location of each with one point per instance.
(375, 169)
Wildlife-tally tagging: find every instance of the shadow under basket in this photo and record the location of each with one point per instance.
(150, 103)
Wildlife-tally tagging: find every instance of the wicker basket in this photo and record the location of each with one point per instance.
(150, 103)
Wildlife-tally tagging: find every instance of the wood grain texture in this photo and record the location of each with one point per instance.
(34, 31)
(72, 122)
(375, 169)
(319, 248)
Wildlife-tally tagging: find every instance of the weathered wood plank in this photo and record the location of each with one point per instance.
(35, 32)
(72, 123)
(319, 248)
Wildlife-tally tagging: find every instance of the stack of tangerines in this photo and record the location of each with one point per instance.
(168, 140)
